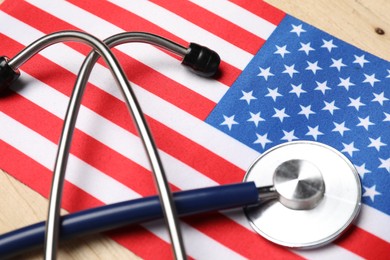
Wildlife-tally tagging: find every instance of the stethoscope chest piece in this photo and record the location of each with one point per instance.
(319, 194)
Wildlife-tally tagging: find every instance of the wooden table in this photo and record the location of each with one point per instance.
(363, 23)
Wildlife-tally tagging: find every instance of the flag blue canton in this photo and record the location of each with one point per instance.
(304, 84)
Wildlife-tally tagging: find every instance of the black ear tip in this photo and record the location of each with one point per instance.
(7, 74)
(202, 60)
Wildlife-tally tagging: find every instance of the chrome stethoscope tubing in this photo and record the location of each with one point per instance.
(72, 112)
(53, 221)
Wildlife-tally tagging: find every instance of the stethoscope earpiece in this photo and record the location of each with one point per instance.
(8, 75)
(202, 60)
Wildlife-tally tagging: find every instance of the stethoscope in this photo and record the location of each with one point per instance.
(309, 192)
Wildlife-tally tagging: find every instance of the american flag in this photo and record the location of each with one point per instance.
(281, 80)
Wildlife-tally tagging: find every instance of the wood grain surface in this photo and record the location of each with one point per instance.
(363, 23)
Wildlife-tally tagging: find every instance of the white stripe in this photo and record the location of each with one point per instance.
(146, 54)
(239, 16)
(100, 185)
(187, 30)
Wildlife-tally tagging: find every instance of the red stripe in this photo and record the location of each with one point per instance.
(39, 178)
(214, 24)
(138, 72)
(262, 9)
(26, 170)
(364, 244)
(131, 22)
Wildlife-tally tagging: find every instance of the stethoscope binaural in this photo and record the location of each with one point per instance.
(309, 192)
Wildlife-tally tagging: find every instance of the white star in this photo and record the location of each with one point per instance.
(337, 64)
(380, 98)
(328, 44)
(247, 96)
(297, 90)
(370, 79)
(306, 111)
(262, 139)
(265, 73)
(255, 118)
(376, 143)
(388, 76)
(365, 122)
(371, 192)
(362, 170)
(281, 50)
(290, 70)
(229, 121)
(385, 164)
(297, 29)
(273, 93)
(330, 107)
(346, 83)
(387, 117)
(289, 136)
(360, 60)
(322, 86)
(313, 131)
(313, 66)
(306, 48)
(355, 103)
(349, 148)
(280, 114)
(340, 128)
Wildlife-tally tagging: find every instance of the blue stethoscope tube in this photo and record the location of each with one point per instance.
(130, 212)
